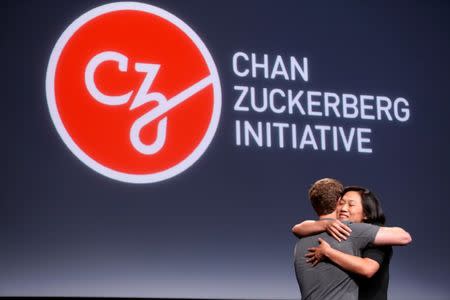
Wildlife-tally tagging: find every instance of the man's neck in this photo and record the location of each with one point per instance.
(328, 216)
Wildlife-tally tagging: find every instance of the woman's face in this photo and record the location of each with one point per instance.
(350, 208)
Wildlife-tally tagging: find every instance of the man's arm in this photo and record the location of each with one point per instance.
(365, 234)
(394, 236)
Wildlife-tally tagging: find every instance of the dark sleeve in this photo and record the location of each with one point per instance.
(378, 254)
(363, 234)
(375, 254)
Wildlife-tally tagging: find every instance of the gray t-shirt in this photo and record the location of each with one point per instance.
(326, 280)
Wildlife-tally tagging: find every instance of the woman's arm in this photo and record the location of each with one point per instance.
(335, 228)
(363, 266)
(309, 227)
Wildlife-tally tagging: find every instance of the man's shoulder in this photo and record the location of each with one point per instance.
(361, 227)
(314, 238)
(363, 234)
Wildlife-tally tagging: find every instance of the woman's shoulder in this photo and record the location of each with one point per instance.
(378, 253)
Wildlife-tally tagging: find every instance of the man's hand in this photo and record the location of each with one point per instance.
(317, 254)
(337, 229)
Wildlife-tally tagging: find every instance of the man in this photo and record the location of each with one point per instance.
(325, 280)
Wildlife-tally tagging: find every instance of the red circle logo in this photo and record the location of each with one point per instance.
(133, 92)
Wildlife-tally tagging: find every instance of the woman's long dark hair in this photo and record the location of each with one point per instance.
(373, 213)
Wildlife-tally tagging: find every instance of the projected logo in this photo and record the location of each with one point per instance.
(133, 92)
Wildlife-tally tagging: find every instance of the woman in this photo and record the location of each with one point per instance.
(357, 204)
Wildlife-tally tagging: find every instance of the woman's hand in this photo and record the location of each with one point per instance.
(355, 264)
(317, 254)
(337, 229)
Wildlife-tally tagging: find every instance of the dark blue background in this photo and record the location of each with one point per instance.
(221, 229)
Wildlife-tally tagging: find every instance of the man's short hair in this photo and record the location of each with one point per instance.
(324, 195)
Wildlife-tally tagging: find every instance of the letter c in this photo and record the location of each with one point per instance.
(100, 58)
